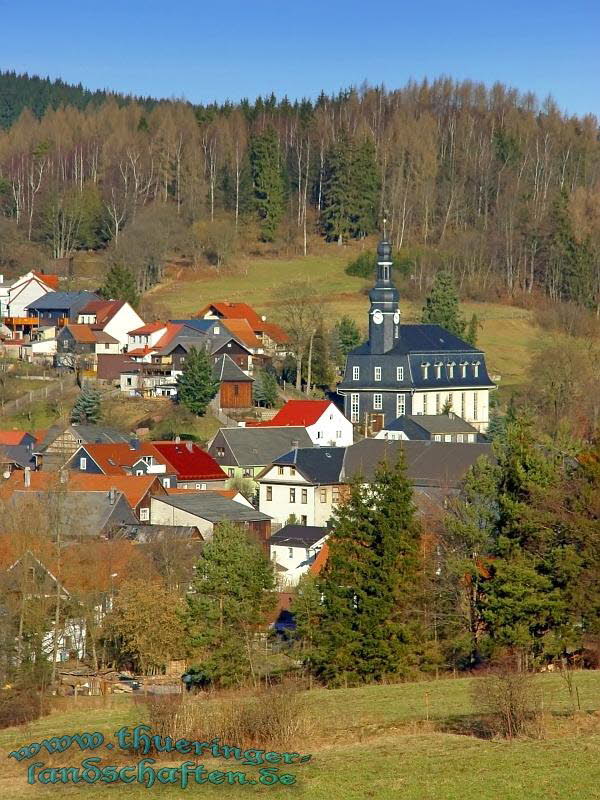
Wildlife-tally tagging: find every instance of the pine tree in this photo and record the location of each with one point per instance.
(370, 575)
(366, 187)
(196, 386)
(322, 373)
(120, 285)
(233, 589)
(441, 307)
(265, 389)
(347, 337)
(268, 182)
(338, 192)
(87, 408)
(472, 331)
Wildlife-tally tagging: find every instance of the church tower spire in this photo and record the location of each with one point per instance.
(384, 315)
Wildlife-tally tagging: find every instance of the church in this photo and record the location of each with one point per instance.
(411, 369)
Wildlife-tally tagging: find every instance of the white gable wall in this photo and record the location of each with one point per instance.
(332, 428)
(126, 319)
(23, 293)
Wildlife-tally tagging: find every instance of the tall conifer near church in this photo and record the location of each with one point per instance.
(366, 187)
(368, 583)
(338, 191)
(268, 182)
(442, 305)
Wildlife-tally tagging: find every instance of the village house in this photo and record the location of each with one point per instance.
(245, 452)
(204, 510)
(113, 317)
(294, 548)
(411, 369)
(322, 419)
(235, 386)
(219, 339)
(82, 342)
(274, 340)
(56, 309)
(441, 428)
(16, 451)
(60, 442)
(16, 297)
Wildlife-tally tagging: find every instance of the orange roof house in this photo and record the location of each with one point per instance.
(230, 311)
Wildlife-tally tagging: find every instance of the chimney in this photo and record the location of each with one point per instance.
(112, 496)
(27, 477)
(177, 439)
(295, 445)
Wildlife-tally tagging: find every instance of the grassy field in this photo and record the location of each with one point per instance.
(507, 331)
(378, 742)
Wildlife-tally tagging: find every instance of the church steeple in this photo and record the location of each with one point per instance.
(384, 316)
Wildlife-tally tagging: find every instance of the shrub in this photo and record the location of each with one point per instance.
(509, 699)
(19, 706)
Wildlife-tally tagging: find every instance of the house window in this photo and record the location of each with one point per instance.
(231, 472)
(463, 404)
(425, 368)
(450, 401)
(144, 514)
(335, 494)
(399, 373)
(220, 452)
(280, 470)
(463, 369)
(451, 365)
(338, 434)
(437, 437)
(292, 471)
(425, 404)
(236, 389)
(447, 437)
(459, 437)
(199, 486)
(476, 369)
(400, 404)
(354, 407)
(269, 493)
(319, 434)
(438, 403)
(83, 463)
(355, 373)
(290, 552)
(323, 495)
(471, 437)
(247, 472)
(304, 496)
(166, 483)
(139, 472)
(377, 373)
(303, 519)
(377, 402)
(438, 370)
(292, 495)
(106, 345)
(128, 381)
(475, 409)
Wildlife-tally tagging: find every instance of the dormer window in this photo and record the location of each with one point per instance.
(463, 369)
(450, 365)
(399, 373)
(377, 373)
(476, 369)
(438, 370)
(355, 373)
(425, 367)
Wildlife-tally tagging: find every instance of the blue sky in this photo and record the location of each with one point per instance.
(218, 50)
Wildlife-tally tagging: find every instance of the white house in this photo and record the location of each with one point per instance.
(144, 338)
(21, 293)
(324, 422)
(114, 317)
(294, 548)
(304, 484)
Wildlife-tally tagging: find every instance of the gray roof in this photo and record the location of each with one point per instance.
(317, 464)
(431, 424)
(89, 434)
(225, 369)
(73, 301)
(150, 533)
(428, 463)
(261, 446)
(213, 507)
(19, 454)
(298, 535)
(191, 337)
(89, 513)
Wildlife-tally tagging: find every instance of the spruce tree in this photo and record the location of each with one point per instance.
(441, 306)
(338, 191)
(347, 337)
(120, 285)
(366, 188)
(368, 583)
(265, 389)
(322, 373)
(196, 386)
(472, 331)
(268, 182)
(87, 407)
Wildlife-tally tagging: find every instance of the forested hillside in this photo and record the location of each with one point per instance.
(487, 182)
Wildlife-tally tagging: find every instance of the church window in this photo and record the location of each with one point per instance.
(355, 373)
(438, 370)
(438, 404)
(399, 373)
(475, 409)
(377, 402)
(425, 404)
(425, 367)
(385, 272)
(400, 404)
(476, 369)
(377, 373)
(451, 365)
(463, 369)
(354, 407)
(463, 404)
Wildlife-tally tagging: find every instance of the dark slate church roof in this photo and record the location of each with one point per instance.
(422, 426)
(423, 339)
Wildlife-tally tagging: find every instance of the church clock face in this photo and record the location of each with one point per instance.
(396, 318)
(377, 317)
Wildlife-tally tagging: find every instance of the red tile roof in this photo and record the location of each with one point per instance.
(296, 412)
(111, 365)
(82, 333)
(151, 327)
(114, 458)
(242, 330)
(172, 331)
(189, 461)
(50, 280)
(8, 438)
(104, 310)
(229, 311)
(320, 561)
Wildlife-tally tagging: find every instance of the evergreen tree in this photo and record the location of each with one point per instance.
(120, 285)
(196, 386)
(265, 389)
(268, 182)
(371, 572)
(347, 337)
(322, 373)
(441, 307)
(338, 191)
(366, 187)
(87, 408)
(472, 330)
(233, 589)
